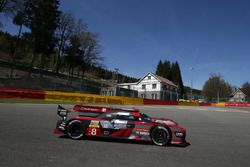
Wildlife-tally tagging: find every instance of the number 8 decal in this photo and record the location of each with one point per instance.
(93, 131)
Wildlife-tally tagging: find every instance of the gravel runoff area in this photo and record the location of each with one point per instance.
(217, 137)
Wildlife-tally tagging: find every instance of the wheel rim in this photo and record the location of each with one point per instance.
(160, 136)
(76, 131)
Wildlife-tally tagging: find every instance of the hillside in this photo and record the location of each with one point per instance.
(53, 81)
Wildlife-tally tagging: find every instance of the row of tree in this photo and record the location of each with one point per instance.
(56, 40)
(171, 71)
(217, 88)
(53, 36)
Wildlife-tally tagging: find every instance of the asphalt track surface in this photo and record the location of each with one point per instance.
(217, 136)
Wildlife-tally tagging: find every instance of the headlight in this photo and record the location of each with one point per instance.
(179, 134)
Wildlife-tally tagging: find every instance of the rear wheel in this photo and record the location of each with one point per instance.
(75, 129)
(161, 136)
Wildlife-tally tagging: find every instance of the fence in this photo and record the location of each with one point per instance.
(99, 99)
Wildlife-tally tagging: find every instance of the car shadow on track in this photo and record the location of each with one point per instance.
(112, 140)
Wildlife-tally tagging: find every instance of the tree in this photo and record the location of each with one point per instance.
(176, 77)
(64, 30)
(90, 51)
(216, 87)
(172, 72)
(42, 19)
(10, 7)
(246, 88)
(159, 69)
(164, 69)
(73, 53)
(17, 20)
(167, 70)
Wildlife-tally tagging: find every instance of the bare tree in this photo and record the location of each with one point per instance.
(10, 7)
(63, 33)
(90, 51)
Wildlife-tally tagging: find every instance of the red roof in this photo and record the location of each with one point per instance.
(165, 80)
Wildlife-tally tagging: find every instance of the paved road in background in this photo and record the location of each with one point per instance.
(217, 137)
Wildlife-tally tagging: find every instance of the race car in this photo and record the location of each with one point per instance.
(121, 123)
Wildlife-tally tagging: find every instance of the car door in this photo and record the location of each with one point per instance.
(123, 120)
(116, 123)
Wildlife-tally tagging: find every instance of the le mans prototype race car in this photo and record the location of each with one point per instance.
(122, 123)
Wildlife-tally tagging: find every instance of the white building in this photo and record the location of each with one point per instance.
(152, 86)
(238, 96)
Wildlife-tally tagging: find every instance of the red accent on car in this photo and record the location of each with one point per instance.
(141, 129)
(101, 108)
(177, 141)
(136, 114)
(137, 138)
(56, 131)
(91, 108)
(145, 123)
(127, 133)
(118, 133)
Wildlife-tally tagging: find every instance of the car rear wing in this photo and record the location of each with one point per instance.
(101, 109)
(62, 112)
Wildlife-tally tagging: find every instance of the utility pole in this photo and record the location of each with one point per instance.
(191, 90)
(218, 96)
(116, 74)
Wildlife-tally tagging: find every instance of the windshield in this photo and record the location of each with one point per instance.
(145, 117)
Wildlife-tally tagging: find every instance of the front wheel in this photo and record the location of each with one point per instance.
(75, 129)
(161, 136)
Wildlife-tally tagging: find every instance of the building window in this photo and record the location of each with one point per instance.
(154, 86)
(111, 93)
(143, 96)
(149, 77)
(143, 86)
(154, 96)
(128, 86)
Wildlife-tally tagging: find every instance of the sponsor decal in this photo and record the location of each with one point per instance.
(123, 113)
(89, 109)
(106, 125)
(106, 132)
(119, 124)
(168, 122)
(108, 115)
(94, 124)
(141, 131)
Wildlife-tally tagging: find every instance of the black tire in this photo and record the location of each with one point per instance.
(161, 136)
(75, 129)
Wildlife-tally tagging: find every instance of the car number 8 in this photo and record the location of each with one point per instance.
(93, 131)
